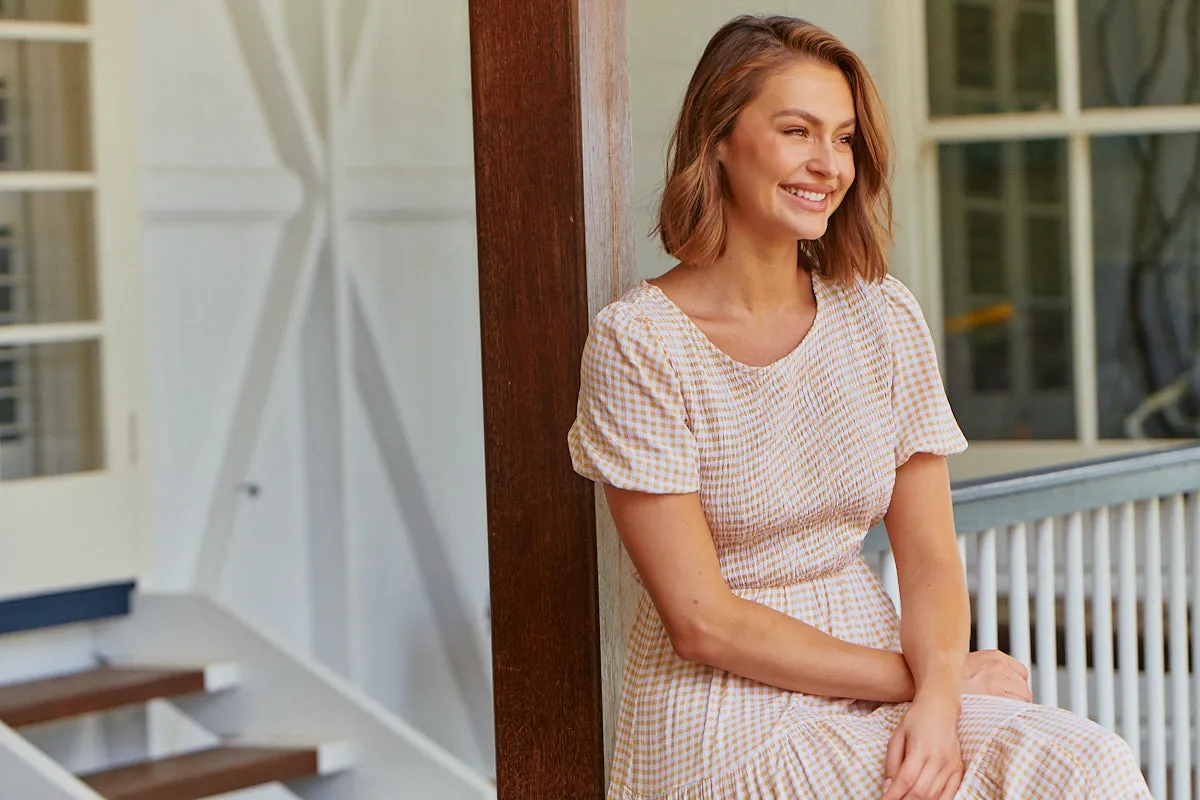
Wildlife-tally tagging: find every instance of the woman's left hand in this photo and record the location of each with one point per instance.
(924, 759)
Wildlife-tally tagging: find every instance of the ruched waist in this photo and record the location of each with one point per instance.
(790, 563)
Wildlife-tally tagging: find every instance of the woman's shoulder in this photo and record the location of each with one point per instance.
(634, 324)
(633, 305)
(638, 314)
(878, 302)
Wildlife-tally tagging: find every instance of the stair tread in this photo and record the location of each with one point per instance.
(204, 773)
(87, 692)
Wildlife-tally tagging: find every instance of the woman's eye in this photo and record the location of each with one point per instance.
(796, 131)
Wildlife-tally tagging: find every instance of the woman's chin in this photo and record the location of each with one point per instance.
(811, 231)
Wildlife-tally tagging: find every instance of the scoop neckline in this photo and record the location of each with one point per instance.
(711, 346)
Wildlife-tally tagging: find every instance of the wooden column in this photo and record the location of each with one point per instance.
(554, 225)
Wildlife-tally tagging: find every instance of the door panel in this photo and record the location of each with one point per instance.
(72, 490)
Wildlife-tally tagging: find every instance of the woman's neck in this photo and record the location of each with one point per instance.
(753, 277)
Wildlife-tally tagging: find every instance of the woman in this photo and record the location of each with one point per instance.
(751, 413)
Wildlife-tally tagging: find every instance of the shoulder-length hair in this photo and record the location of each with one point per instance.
(738, 58)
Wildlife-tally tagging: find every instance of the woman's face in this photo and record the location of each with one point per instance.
(789, 159)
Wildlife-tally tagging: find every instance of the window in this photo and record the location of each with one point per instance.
(50, 405)
(1061, 142)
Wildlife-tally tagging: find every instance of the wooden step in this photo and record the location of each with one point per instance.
(205, 773)
(103, 689)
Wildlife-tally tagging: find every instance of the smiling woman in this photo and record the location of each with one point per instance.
(777, 125)
(751, 414)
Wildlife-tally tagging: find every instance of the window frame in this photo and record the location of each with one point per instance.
(917, 257)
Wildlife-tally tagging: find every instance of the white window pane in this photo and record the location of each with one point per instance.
(991, 56)
(47, 259)
(44, 10)
(1139, 52)
(1006, 289)
(44, 106)
(1146, 212)
(50, 410)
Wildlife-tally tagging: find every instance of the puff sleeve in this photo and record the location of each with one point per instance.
(923, 420)
(631, 428)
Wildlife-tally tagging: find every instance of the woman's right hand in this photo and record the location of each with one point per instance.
(992, 672)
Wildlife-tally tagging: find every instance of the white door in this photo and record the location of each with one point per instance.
(72, 493)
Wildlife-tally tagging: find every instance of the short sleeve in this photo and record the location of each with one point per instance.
(631, 427)
(924, 422)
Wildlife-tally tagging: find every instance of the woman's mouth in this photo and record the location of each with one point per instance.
(812, 201)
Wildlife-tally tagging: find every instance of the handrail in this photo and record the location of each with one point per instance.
(1036, 494)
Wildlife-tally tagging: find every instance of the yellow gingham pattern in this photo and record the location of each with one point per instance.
(793, 462)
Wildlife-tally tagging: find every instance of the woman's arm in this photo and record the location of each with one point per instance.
(935, 628)
(670, 543)
(924, 758)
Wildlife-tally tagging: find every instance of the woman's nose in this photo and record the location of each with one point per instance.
(823, 161)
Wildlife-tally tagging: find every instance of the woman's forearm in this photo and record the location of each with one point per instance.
(757, 642)
(935, 630)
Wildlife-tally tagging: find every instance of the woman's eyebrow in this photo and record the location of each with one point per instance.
(811, 118)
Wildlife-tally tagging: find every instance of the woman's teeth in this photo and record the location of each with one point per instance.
(816, 197)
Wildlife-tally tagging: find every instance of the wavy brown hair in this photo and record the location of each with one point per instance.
(738, 58)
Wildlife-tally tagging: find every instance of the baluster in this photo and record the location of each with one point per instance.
(1152, 649)
(1102, 619)
(1018, 596)
(1193, 524)
(1076, 622)
(1181, 736)
(891, 581)
(1127, 628)
(1047, 632)
(986, 630)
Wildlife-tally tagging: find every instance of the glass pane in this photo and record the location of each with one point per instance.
(983, 170)
(50, 422)
(990, 358)
(44, 106)
(1034, 54)
(1006, 289)
(1046, 245)
(973, 56)
(988, 57)
(1139, 52)
(1051, 351)
(44, 10)
(47, 264)
(985, 252)
(1044, 164)
(1146, 211)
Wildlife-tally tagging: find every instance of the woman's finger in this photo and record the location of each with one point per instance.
(1021, 690)
(938, 786)
(902, 784)
(953, 781)
(895, 754)
(927, 782)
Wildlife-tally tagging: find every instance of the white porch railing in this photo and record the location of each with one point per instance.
(1107, 552)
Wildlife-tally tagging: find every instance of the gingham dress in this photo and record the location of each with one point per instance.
(793, 462)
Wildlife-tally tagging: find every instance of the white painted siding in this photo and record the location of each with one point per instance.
(217, 193)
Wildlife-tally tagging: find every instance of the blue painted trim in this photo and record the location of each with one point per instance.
(63, 608)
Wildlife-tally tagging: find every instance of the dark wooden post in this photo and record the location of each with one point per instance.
(554, 211)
